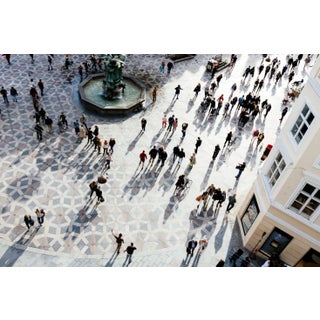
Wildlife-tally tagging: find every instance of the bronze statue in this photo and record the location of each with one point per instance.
(112, 83)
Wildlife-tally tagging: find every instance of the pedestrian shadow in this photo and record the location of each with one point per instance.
(172, 206)
(82, 220)
(219, 236)
(156, 137)
(186, 261)
(190, 104)
(133, 143)
(196, 258)
(112, 259)
(13, 253)
(207, 176)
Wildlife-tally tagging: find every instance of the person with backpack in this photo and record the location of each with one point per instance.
(119, 241)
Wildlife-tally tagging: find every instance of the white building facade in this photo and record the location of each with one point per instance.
(281, 213)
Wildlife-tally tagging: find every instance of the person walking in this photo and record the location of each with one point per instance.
(95, 131)
(170, 122)
(255, 134)
(163, 156)
(63, 120)
(90, 136)
(38, 130)
(232, 201)
(153, 154)
(218, 79)
(283, 113)
(8, 57)
(198, 144)
(176, 151)
(129, 250)
(99, 194)
(164, 121)
(154, 94)
(28, 221)
(50, 60)
(215, 152)
(40, 216)
(175, 125)
(4, 94)
(169, 67)
(290, 77)
(48, 121)
(228, 139)
(41, 86)
(143, 124)
(181, 156)
(177, 91)
(80, 71)
(184, 129)
(233, 89)
(14, 94)
(268, 108)
(162, 66)
(112, 143)
(192, 244)
(119, 241)
(192, 160)
(241, 168)
(142, 157)
(76, 126)
(93, 186)
(83, 120)
(259, 138)
(197, 89)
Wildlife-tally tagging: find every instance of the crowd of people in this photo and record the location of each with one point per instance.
(245, 107)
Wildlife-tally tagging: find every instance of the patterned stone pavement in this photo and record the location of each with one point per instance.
(54, 174)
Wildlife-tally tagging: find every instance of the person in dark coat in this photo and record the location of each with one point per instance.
(169, 67)
(241, 168)
(153, 153)
(39, 130)
(197, 89)
(228, 138)
(198, 144)
(28, 221)
(215, 152)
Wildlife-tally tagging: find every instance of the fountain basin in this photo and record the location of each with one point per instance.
(91, 93)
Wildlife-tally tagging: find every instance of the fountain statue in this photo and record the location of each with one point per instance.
(113, 85)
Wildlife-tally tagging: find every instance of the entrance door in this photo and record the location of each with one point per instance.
(276, 242)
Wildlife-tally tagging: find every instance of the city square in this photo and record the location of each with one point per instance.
(54, 173)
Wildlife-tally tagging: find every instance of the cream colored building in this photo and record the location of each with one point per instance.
(281, 213)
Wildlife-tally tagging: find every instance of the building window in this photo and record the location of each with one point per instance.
(250, 215)
(307, 201)
(302, 124)
(276, 242)
(276, 169)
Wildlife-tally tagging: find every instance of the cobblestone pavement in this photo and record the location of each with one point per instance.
(54, 174)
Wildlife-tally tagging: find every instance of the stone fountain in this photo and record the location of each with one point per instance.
(112, 92)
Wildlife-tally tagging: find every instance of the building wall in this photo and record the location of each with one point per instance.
(302, 166)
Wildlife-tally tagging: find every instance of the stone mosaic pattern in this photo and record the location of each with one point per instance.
(54, 174)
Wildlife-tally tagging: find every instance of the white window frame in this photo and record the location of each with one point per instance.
(303, 122)
(292, 199)
(277, 169)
